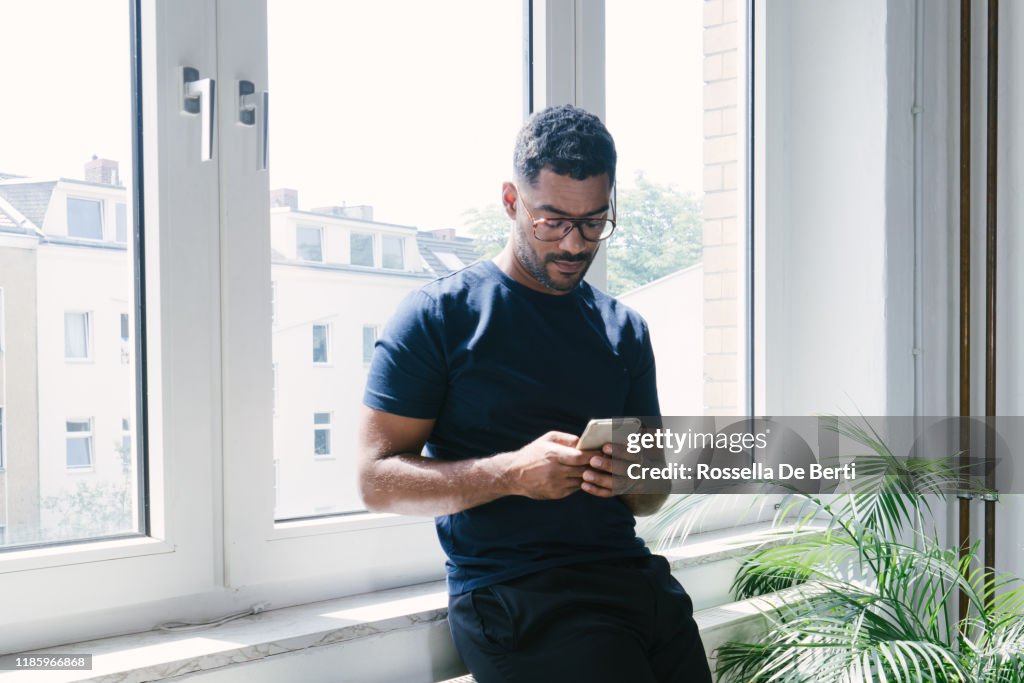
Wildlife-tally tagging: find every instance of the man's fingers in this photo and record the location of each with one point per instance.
(562, 438)
(598, 491)
(605, 481)
(571, 456)
(614, 466)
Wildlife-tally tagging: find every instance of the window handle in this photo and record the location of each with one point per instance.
(199, 96)
(253, 105)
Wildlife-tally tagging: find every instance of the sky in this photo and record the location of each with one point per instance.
(408, 106)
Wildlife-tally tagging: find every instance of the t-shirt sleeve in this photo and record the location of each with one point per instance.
(408, 373)
(642, 399)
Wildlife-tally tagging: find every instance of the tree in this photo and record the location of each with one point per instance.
(659, 231)
(489, 226)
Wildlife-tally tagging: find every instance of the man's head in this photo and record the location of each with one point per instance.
(564, 168)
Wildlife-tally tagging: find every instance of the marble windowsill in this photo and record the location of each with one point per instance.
(154, 655)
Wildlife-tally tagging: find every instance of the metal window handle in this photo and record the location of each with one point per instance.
(199, 97)
(250, 107)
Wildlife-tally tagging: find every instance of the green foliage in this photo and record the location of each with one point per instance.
(659, 231)
(866, 597)
(489, 226)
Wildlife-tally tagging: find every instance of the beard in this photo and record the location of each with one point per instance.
(538, 266)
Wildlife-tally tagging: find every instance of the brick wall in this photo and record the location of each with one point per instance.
(722, 32)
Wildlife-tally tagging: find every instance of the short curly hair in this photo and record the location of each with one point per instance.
(568, 140)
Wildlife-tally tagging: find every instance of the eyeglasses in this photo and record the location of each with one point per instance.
(556, 229)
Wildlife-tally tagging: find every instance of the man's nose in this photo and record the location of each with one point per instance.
(573, 242)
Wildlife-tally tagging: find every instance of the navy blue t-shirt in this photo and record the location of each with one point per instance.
(497, 365)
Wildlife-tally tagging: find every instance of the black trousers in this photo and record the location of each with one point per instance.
(620, 621)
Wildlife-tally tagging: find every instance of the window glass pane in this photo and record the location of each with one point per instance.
(321, 418)
(369, 339)
(308, 246)
(124, 327)
(361, 249)
(67, 271)
(335, 152)
(122, 223)
(76, 335)
(85, 218)
(319, 343)
(322, 441)
(391, 252)
(675, 254)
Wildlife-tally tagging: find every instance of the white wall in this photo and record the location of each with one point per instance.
(827, 344)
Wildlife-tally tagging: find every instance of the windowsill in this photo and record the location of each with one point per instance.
(155, 655)
(80, 470)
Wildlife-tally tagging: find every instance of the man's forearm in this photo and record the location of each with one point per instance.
(414, 485)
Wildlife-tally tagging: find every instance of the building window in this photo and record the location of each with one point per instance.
(361, 249)
(121, 222)
(322, 435)
(309, 244)
(369, 339)
(76, 335)
(124, 327)
(392, 252)
(321, 343)
(79, 443)
(85, 218)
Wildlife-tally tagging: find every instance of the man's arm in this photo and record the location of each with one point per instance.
(394, 477)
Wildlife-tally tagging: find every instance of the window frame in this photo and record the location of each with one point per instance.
(324, 427)
(202, 348)
(320, 237)
(92, 200)
(400, 240)
(88, 435)
(352, 235)
(326, 362)
(88, 357)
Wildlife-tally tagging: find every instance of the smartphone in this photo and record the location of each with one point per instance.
(613, 430)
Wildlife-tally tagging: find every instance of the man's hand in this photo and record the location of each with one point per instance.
(606, 476)
(547, 468)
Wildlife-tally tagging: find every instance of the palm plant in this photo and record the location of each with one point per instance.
(866, 598)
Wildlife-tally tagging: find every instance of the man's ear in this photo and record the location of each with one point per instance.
(508, 199)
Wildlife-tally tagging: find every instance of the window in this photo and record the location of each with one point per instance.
(321, 434)
(125, 451)
(369, 339)
(361, 249)
(85, 218)
(121, 220)
(124, 327)
(309, 244)
(79, 444)
(76, 336)
(321, 343)
(392, 252)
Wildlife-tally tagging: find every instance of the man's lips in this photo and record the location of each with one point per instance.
(569, 267)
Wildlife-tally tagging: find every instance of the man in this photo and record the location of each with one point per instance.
(496, 369)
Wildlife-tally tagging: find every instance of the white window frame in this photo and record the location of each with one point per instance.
(323, 426)
(87, 358)
(103, 226)
(326, 362)
(373, 248)
(401, 250)
(210, 383)
(362, 342)
(320, 236)
(88, 436)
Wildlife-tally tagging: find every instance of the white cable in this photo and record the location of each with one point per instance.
(177, 626)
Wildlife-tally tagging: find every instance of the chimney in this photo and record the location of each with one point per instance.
(446, 234)
(285, 197)
(102, 171)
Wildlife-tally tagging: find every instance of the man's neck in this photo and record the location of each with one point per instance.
(510, 265)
